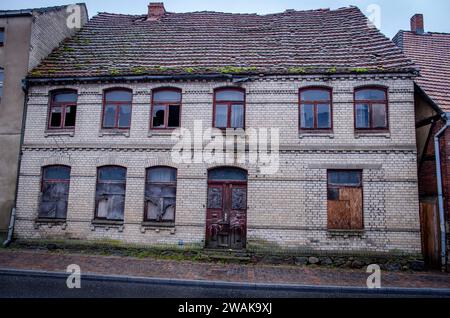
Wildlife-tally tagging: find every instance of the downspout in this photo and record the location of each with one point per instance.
(22, 136)
(437, 153)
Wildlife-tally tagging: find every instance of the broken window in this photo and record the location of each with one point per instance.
(229, 108)
(63, 110)
(315, 108)
(117, 109)
(54, 192)
(371, 108)
(166, 108)
(345, 200)
(2, 36)
(110, 193)
(160, 194)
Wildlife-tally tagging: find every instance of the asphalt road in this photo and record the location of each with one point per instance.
(23, 285)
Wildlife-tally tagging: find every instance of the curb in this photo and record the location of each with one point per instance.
(223, 284)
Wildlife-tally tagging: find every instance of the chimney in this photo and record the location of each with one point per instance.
(155, 11)
(417, 24)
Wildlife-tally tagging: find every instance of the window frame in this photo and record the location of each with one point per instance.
(43, 181)
(64, 106)
(370, 103)
(360, 186)
(117, 105)
(229, 106)
(166, 105)
(2, 43)
(315, 103)
(174, 184)
(96, 201)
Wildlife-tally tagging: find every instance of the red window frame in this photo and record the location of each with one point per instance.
(2, 42)
(117, 105)
(315, 103)
(44, 181)
(229, 106)
(370, 103)
(166, 105)
(64, 106)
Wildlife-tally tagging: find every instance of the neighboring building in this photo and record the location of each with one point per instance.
(26, 37)
(431, 52)
(97, 160)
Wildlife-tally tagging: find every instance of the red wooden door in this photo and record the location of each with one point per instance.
(226, 216)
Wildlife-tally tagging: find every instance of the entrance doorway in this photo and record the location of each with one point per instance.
(226, 215)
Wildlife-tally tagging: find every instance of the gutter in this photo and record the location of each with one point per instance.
(22, 137)
(437, 153)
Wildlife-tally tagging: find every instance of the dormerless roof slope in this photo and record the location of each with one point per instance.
(431, 52)
(316, 41)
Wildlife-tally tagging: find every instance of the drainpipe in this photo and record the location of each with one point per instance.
(22, 136)
(437, 154)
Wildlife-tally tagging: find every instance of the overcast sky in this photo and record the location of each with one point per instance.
(394, 14)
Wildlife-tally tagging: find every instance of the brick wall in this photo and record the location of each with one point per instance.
(287, 209)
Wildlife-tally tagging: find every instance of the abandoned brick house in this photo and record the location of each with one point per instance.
(430, 51)
(101, 109)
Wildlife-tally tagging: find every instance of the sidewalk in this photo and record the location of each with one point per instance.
(171, 269)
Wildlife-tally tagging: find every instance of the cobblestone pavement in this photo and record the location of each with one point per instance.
(158, 268)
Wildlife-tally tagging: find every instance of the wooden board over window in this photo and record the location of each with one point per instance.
(345, 200)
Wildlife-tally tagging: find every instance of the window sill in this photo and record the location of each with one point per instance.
(50, 133)
(158, 226)
(114, 132)
(50, 223)
(106, 224)
(346, 233)
(372, 134)
(316, 134)
(160, 133)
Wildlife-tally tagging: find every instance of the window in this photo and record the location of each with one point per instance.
(63, 110)
(229, 108)
(315, 108)
(2, 36)
(117, 109)
(345, 200)
(166, 108)
(110, 193)
(160, 194)
(54, 192)
(1, 82)
(371, 108)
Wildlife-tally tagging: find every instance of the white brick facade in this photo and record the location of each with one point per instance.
(287, 209)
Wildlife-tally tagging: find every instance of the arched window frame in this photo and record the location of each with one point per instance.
(166, 104)
(385, 102)
(229, 104)
(117, 104)
(301, 103)
(45, 181)
(64, 109)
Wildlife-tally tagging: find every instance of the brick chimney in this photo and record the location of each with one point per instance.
(155, 11)
(417, 24)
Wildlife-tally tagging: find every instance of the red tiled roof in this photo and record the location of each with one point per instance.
(431, 52)
(316, 41)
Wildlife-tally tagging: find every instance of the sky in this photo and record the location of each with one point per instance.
(393, 15)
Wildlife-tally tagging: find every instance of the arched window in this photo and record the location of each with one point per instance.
(315, 109)
(110, 193)
(54, 192)
(371, 108)
(63, 109)
(160, 194)
(229, 108)
(117, 108)
(166, 108)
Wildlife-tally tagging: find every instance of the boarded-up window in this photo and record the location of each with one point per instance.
(54, 192)
(345, 200)
(110, 193)
(160, 194)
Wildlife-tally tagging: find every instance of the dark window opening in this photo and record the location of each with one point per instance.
(110, 193)
(54, 192)
(371, 109)
(227, 174)
(160, 194)
(315, 109)
(345, 200)
(229, 108)
(63, 110)
(166, 108)
(117, 109)
(2, 36)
